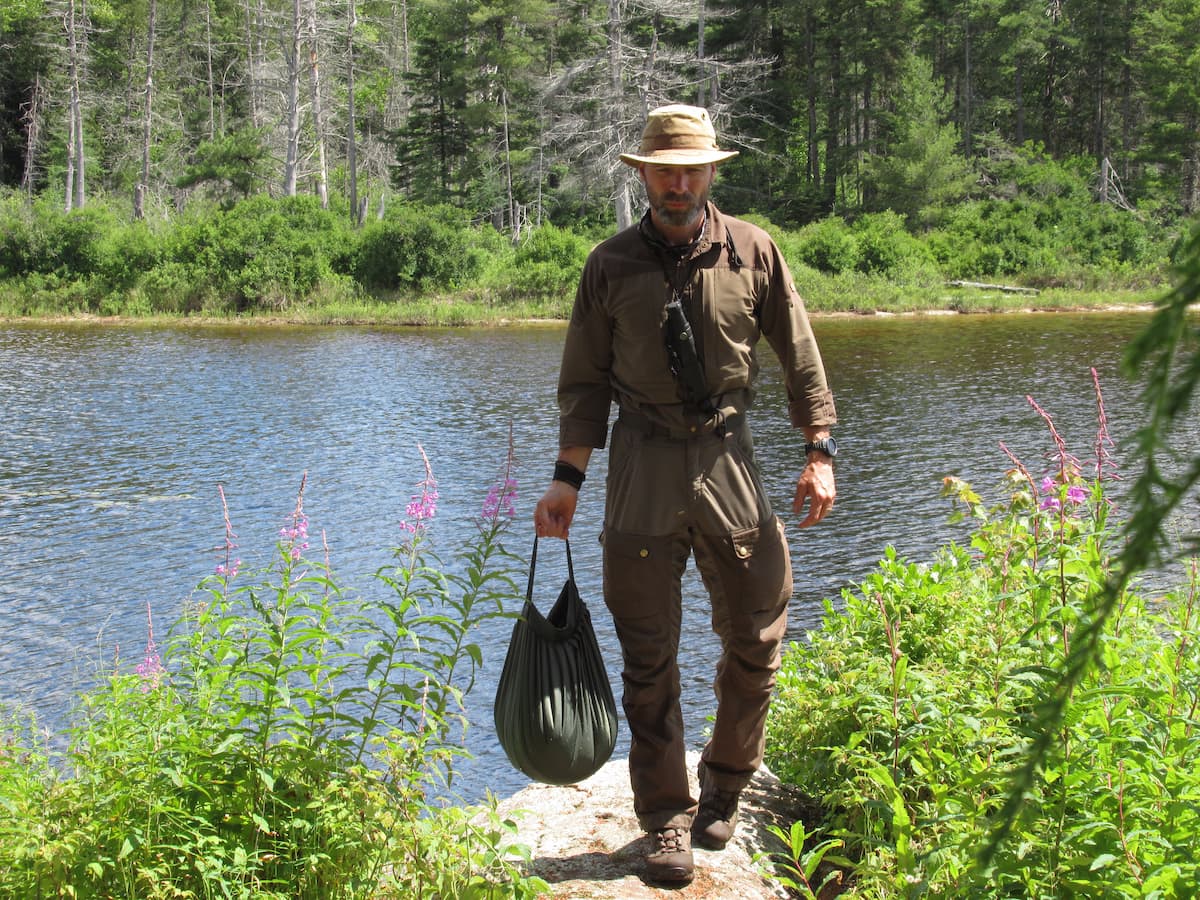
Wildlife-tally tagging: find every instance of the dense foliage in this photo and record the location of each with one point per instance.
(289, 742)
(283, 255)
(514, 110)
(906, 714)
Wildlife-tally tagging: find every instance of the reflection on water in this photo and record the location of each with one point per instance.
(114, 440)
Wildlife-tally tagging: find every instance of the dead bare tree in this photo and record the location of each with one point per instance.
(317, 110)
(143, 185)
(74, 22)
(31, 116)
(291, 52)
(597, 105)
(351, 120)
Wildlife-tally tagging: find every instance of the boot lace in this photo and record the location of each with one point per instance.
(670, 840)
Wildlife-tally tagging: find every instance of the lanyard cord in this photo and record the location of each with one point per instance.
(672, 256)
(678, 260)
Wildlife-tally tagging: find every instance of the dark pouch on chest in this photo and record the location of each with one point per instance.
(685, 358)
(555, 714)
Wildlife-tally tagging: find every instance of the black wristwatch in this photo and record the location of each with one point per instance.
(828, 446)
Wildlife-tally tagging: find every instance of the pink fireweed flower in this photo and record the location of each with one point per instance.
(150, 668)
(296, 537)
(501, 500)
(421, 508)
(1049, 487)
(1076, 494)
(229, 572)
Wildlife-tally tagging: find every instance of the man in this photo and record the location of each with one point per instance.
(682, 477)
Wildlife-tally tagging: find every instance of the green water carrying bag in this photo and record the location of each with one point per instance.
(554, 712)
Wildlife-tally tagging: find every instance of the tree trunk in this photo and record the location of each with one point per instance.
(291, 160)
(256, 28)
(621, 202)
(833, 153)
(1190, 182)
(32, 117)
(1100, 126)
(208, 62)
(508, 179)
(812, 89)
(75, 156)
(1019, 90)
(318, 114)
(139, 193)
(351, 123)
(968, 137)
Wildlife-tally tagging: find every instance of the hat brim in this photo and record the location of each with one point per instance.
(678, 157)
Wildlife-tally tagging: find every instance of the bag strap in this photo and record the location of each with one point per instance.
(533, 567)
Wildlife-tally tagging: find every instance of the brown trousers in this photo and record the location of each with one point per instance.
(667, 499)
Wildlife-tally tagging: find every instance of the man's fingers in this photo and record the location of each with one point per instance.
(818, 492)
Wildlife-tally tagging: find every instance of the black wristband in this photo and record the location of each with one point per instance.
(568, 474)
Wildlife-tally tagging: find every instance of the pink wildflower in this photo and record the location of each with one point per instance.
(423, 506)
(150, 668)
(1076, 494)
(500, 500)
(296, 537)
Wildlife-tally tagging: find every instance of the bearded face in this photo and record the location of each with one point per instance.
(677, 194)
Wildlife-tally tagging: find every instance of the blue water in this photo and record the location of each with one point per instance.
(114, 440)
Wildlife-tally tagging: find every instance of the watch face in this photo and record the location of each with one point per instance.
(831, 446)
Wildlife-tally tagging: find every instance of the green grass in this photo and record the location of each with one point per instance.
(824, 295)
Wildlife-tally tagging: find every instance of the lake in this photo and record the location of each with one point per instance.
(114, 440)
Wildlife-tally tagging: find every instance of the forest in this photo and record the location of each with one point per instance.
(1040, 129)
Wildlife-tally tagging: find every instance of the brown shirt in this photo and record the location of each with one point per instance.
(615, 347)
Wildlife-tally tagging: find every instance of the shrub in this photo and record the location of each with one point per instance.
(287, 742)
(425, 249)
(546, 265)
(904, 715)
(829, 246)
(125, 254)
(885, 246)
(262, 252)
(46, 240)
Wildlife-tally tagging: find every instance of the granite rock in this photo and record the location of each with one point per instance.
(585, 842)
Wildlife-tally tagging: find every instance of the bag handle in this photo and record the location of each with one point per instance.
(533, 567)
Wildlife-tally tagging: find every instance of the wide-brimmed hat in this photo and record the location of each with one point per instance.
(678, 135)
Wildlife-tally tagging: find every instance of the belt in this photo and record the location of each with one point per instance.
(641, 423)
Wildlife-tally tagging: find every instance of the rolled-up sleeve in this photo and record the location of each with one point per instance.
(784, 322)
(584, 381)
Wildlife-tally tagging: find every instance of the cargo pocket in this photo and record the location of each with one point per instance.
(744, 542)
(641, 574)
(749, 568)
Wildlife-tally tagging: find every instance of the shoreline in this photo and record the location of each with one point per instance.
(502, 321)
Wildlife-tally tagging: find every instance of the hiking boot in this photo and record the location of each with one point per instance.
(717, 816)
(670, 862)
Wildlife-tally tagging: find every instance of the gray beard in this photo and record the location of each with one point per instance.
(681, 218)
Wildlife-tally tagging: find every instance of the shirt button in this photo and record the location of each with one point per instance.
(643, 553)
(692, 429)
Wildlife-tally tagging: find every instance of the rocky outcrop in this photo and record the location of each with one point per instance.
(586, 843)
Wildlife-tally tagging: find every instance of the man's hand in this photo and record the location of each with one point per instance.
(554, 512)
(816, 486)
